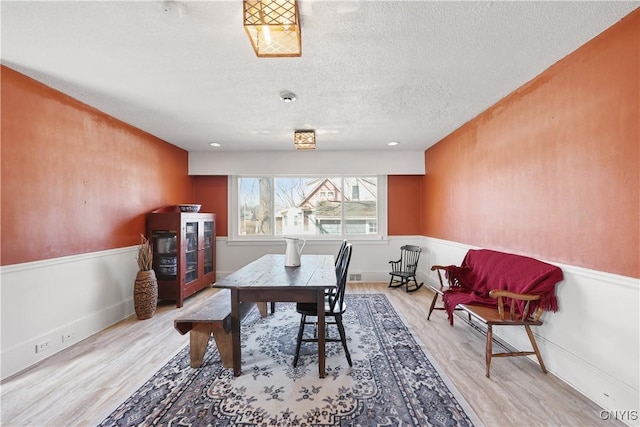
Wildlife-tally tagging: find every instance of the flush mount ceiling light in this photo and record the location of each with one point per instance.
(273, 26)
(304, 139)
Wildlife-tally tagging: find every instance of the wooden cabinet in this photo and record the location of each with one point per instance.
(184, 253)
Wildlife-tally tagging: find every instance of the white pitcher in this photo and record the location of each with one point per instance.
(293, 251)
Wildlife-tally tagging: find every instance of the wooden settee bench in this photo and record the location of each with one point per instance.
(213, 317)
(498, 289)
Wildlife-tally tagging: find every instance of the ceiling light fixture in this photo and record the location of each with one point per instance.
(304, 139)
(273, 26)
(215, 144)
(393, 143)
(287, 96)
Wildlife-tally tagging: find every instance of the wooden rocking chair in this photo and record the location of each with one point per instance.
(403, 271)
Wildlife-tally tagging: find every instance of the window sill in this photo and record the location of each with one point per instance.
(378, 240)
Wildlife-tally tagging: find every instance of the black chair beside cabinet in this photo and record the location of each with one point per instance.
(334, 308)
(403, 271)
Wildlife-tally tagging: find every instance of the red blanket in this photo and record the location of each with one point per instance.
(484, 270)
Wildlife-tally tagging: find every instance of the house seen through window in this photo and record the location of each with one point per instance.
(307, 206)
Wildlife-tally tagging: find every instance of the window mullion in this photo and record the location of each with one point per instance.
(273, 206)
(343, 223)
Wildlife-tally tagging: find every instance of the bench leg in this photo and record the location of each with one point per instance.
(198, 341)
(489, 350)
(535, 348)
(262, 308)
(433, 304)
(225, 346)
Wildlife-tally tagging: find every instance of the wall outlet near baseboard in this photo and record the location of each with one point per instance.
(67, 336)
(42, 346)
(356, 277)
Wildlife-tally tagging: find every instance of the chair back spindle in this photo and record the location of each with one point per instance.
(410, 256)
(340, 251)
(514, 313)
(336, 299)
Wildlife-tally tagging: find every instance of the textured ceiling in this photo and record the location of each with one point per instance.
(370, 72)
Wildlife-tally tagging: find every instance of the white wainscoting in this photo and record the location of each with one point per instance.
(78, 295)
(84, 294)
(370, 258)
(592, 342)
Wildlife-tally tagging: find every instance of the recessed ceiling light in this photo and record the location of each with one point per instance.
(215, 144)
(393, 143)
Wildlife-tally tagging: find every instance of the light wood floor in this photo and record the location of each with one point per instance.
(83, 384)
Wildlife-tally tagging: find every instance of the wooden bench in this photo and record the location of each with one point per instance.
(213, 317)
(498, 289)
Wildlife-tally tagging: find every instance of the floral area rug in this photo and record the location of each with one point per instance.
(392, 382)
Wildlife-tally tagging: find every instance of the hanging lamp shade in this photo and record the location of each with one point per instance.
(273, 26)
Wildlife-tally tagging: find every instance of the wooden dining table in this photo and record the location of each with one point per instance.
(268, 280)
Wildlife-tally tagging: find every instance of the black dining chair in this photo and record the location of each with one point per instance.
(337, 261)
(334, 308)
(328, 291)
(343, 246)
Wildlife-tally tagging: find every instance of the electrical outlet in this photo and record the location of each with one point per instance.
(67, 336)
(40, 347)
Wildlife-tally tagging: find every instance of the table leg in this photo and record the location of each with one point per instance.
(235, 331)
(321, 333)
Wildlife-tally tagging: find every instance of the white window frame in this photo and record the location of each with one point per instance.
(381, 206)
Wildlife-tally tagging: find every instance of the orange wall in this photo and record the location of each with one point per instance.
(404, 195)
(552, 170)
(75, 180)
(211, 192)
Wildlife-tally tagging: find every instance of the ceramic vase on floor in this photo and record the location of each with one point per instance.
(145, 294)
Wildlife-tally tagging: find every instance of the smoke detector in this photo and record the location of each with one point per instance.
(172, 6)
(287, 96)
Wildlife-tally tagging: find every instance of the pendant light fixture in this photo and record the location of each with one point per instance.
(273, 26)
(304, 139)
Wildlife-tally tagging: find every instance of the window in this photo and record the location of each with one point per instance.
(263, 207)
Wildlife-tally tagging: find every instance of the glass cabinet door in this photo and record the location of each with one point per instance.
(208, 247)
(191, 245)
(165, 256)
